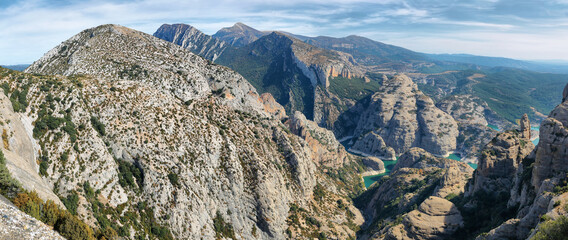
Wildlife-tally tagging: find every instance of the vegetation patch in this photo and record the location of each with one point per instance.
(222, 229)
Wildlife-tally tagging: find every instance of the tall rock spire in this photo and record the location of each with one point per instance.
(525, 127)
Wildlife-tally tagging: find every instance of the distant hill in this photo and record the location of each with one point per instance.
(19, 67)
(367, 51)
(284, 63)
(239, 34)
(547, 67)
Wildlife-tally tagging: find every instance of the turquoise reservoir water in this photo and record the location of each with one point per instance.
(537, 139)
(457, 157)
(494, 127)
(389, 165)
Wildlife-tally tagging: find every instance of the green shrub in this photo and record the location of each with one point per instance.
(71, 227)
(222, 228)
(552, 229)
(98, 126)
(9, 187)
(71, 202)
(89, 191)
(174, 179)
(127, 173)
(43, 165)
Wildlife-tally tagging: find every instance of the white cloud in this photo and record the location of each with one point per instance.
(32, 27)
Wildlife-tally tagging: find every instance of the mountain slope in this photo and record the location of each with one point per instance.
(367, 51)
(401, 117)
(500, 62)
(238, 35)
(300, 76)
(192, 39)
(168, 137)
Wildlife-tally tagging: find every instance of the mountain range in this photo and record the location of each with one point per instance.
(364, 60)
(118, 134)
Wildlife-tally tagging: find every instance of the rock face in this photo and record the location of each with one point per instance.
(238, 35)
(327, 151)
(192, 39)
(435, 218)
(374, 145)
(416, 177)
(465, 109)
(536, 183)
(403, 117)
(16, 224)
(472, 115)
(197, 134)
(552, 152)
(374, 163)
(500, 161)
(20, 149)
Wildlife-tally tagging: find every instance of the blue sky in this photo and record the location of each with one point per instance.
(521, 29)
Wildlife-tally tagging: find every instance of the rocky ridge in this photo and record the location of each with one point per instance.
(403, 117)
(515, 185)
(274, 61)
(191, 38)
(239, 34)
(418, 179)
(248, 175)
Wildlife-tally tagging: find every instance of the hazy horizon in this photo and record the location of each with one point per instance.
(528, 30)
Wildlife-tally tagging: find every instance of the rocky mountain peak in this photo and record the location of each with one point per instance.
(115, 53)
(238, 35)
(192, 39)
(197, 143)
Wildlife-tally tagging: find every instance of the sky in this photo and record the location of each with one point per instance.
(520, 29)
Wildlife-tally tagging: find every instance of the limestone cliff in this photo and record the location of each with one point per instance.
(192, 39)
(517, 183)
(500, 161)
(171, 138)
(390, 205)
(327, 151)
(403, 117)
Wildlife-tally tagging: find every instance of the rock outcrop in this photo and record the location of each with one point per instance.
(239, 34)
(465, 109)
(192, 39)
(500, 161)
(551, 156)
(327, 151)
(435, 218)
(403, 117)
(535, 181)
(418, 179)
(16, 224)
(373, 144)
(374, 163)
(525, 127)
(130, 104)
(421, 159)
